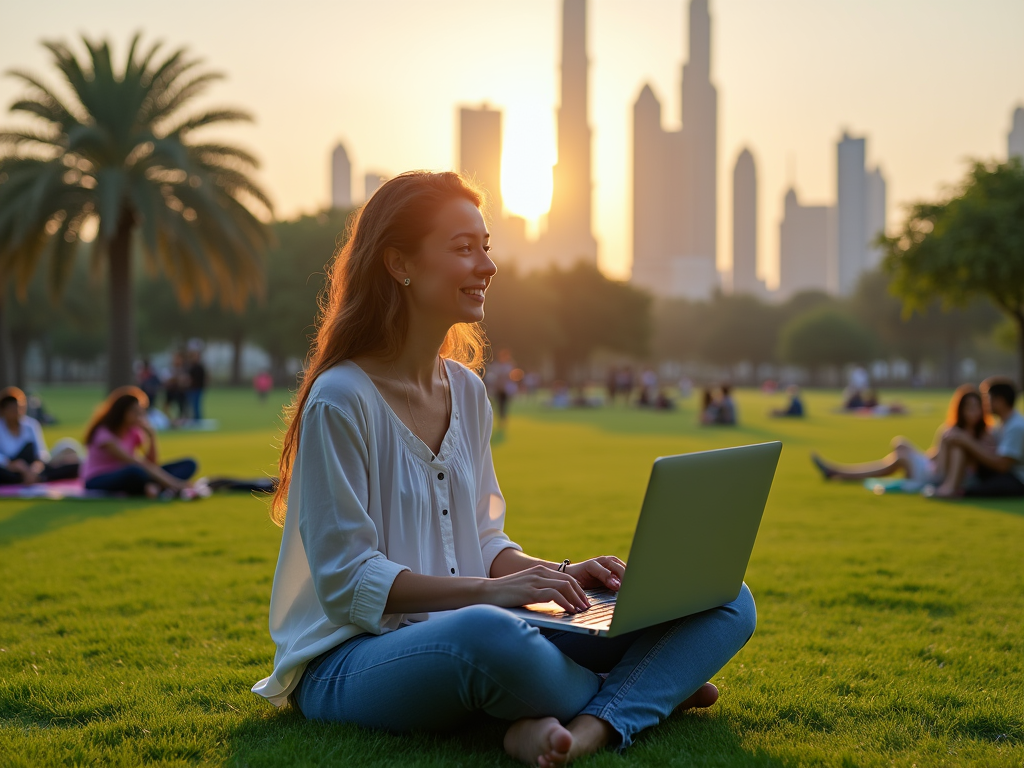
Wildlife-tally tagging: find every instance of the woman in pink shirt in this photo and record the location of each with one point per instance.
(123, 454)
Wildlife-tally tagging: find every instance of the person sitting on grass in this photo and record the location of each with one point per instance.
(1000, 466)
(24, 459)
(941, 465)
(122, 450)
(394, 567)
(795, 409)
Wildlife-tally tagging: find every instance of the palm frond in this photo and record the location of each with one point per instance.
(61, 112)
(17, 138)
(169, 101)
(210, 117)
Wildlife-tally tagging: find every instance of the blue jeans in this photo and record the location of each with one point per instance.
(132, 479)
(434, 674)
(195, 403)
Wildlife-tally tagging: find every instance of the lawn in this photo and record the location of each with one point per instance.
(890, 628)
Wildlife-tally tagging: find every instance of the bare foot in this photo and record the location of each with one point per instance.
(152, 490)
(705, 696)
(589, 734)
(542, 742)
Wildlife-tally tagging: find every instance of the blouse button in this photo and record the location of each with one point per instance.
(453, 570)
(444, 511)
(440, 475)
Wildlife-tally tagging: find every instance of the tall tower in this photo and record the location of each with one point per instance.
(851, 199)
(650, 203)
(700, 133)
(1015, 141)
(874, 216)
(569, 238)
(744, 226)
(480, 153)
(341, 178)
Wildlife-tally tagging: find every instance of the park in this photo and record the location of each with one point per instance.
(888, 626)
(286, 476)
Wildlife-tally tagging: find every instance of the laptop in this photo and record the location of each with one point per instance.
(691, 547)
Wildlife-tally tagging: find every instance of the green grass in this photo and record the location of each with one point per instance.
(890, 628)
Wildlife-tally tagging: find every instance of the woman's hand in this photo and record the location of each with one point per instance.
(598, 573)
(537, 584)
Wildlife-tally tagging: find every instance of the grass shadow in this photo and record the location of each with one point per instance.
(1010, 506)
(686, 739)
(44, 517)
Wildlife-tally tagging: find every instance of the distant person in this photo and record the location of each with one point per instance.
(663, 402)
(196, 384)
(149, 381)
(728, 413)
(612, 383)
(795, 408)
(262, 382)
(24, 459)
(35, 409)
(122, 450)
(649, 386)
(941, 466)
(503, 388)
(1000, 466)
(175, 384)
(709, 406)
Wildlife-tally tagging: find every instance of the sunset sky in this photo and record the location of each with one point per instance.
(929, 82)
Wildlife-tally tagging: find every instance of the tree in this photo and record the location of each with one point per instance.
(970, 246)
(739, 328)
(520, 316)
(593, 311)
(826, 337)
(117, 151)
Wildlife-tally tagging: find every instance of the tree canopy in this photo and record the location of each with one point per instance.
(969, 246)
(115, 148)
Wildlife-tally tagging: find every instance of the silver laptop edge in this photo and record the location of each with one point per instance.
(693, 539)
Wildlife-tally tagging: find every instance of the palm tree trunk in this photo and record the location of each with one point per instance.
(5, 371)
(121, 347)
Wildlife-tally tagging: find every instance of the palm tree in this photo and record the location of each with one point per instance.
(115, 153)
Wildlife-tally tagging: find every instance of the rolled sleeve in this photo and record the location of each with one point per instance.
(351, 576)
(490, 509)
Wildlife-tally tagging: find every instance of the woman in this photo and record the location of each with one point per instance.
(938, 466)
(114, 438)
(23, 456)
(393, 558)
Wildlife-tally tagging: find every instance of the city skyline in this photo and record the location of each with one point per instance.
(792, 78)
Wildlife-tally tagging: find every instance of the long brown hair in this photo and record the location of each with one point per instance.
(955, 414)
(362, 309)
(110, 413)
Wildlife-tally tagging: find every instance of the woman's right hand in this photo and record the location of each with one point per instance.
(537, 584)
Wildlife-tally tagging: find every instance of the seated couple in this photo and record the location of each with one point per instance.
(122, 450)
(718, 407)
(24, 459)
(966, 457)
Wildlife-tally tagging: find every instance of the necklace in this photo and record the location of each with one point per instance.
(443, 374)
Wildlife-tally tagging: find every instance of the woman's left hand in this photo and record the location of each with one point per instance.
(598, 573)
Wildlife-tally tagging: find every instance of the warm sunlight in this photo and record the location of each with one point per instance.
(527, 158)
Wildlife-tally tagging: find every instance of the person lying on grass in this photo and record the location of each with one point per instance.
(945, 466)
(122, 451)
(24, 459)
(387, 603)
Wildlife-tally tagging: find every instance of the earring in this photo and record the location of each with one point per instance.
(407, 281)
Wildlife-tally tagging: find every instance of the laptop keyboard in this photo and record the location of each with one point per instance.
(602, 606)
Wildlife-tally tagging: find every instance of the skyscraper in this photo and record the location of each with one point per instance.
(568, 238)
(874, 216)
(851, 199)
(480, 152)
(675, 183)
(744, 226)
(807, 240)
(341, 178)
(860, 203)
(480, 146)
(371, 181)
(1015, 141)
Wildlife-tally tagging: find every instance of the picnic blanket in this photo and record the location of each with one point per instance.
(58, 489)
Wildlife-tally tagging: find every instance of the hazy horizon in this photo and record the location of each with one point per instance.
(930, 84)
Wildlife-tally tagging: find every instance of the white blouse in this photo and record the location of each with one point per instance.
(369, 500)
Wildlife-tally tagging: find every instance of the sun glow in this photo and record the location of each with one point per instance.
(528, 154)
